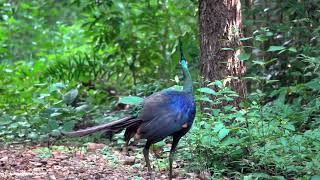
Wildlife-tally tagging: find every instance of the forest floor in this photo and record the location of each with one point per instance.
(95, 161)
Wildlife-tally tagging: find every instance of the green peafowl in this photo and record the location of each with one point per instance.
(165, 113)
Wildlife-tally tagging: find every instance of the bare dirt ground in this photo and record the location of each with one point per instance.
(92, 162)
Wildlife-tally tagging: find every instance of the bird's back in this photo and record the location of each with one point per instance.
(165, 113)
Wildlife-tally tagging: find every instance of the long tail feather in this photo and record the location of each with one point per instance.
(112, 126)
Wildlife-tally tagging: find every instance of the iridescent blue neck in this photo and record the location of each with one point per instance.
(187, 85)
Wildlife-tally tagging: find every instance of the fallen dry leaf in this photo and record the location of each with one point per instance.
(92, 147)
(23, 163)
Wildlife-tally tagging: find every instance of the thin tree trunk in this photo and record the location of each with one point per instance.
(247, 32)
(220, 24)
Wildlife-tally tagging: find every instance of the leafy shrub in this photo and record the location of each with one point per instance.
(256, 138)
(79, 68)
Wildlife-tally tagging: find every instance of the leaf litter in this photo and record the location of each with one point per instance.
(96, 161)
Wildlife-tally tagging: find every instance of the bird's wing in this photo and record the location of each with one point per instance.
(164, 115)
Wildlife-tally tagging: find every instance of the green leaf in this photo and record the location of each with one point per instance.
(68, 126)
(208, 140)
(223, 133)
(43, 95)
(261, 175)
(228, 141)
(218, 127)
(33, 136)
(56, 86)
(218, 83)
(4, 122)
(278, 177)
(227, 98)
(81, 108)
(289, 126)
(244, 56)
(5, 119)
(282, 51)
(206, 99)
(207, 90)
(228, 108)
(176, 87)
(70, 96)
(176, 79)
(275, 48)
(55, 133)
(227, 49)
(160, 144)
(313, 84)
(293, 49)
(53, 124)
(245, 38)
(315, 177)
(55, 114)
(133, 100)
(259, 62)
(271, 81)
(40, 84)
(261, 38)
(269, 34)
(8, 70)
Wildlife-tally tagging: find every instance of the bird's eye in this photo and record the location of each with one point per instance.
(183, 62)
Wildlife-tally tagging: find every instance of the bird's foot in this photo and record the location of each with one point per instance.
(152, 175)
(126, 150)
(173, 175)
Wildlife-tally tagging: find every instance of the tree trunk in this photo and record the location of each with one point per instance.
(247, 31)
(220, 24)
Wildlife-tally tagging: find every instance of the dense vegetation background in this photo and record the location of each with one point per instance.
(67, 65)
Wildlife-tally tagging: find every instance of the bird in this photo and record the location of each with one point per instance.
(166, 113)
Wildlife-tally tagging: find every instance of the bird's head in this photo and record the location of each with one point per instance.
(184, 62)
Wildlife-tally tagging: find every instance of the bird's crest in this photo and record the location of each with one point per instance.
(181, 52)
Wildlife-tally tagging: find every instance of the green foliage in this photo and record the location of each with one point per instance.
(134, 100)
(109, 156)
(274, 133)
(31, 30)
(79, 68)
(256, 138)
(140, 37)
(43, 152)
(58, 59)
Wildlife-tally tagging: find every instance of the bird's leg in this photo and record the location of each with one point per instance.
(146, 157)
(172, 151)
(127, 140)
(129, 133)
(125, 148)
